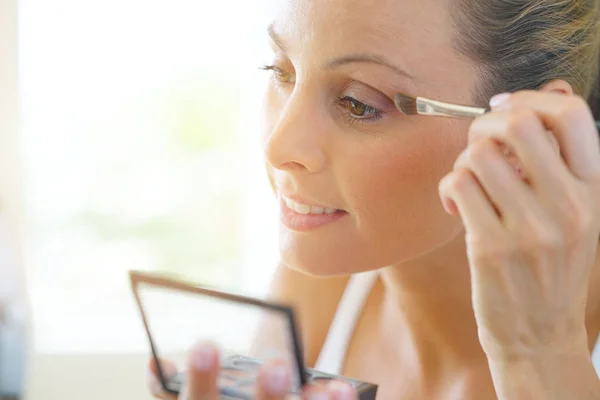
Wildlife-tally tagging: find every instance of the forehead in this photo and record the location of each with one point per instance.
(416, 34)
(389, 25)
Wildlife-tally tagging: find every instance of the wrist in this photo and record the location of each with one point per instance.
(558, 374)
(527, 345)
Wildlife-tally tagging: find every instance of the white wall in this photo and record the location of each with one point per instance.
(12, 332)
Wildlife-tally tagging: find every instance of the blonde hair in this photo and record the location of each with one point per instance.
(524, 44)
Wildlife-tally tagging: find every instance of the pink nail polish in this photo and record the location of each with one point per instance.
(319, 396)
(342, 391)
(277, 379)
(449, 206)
(499, 99)
(203, 357)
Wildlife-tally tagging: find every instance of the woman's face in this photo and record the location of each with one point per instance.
(335, 140)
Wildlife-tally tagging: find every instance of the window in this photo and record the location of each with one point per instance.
(142, 151)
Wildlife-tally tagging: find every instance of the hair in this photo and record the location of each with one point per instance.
(524, 44)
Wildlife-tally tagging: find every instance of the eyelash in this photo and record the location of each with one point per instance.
(371, 114)
(278, 73)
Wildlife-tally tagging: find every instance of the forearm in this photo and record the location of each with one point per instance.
(548, 377)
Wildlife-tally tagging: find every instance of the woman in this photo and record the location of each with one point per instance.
(483, 294)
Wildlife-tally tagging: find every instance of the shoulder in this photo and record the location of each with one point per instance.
(315, 301)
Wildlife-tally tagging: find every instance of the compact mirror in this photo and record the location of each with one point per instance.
(248, 332)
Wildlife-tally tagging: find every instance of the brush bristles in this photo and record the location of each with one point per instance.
(406, 104)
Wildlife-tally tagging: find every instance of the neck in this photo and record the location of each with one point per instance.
(430, 299)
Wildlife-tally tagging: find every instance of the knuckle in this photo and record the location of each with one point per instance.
(519, 124)
(459, 180)
(478, 127)
(538, 235)
(461, 161)
(547, 239)
(480, 150)
(573, 107)
(444, 185)
(577, 221)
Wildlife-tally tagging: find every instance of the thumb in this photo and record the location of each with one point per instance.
(274, 381)
(203, 371)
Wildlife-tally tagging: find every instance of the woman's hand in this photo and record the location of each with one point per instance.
(274, 380)
(532, 229)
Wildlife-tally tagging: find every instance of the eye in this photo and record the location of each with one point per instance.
(280, 74)
(358, 110)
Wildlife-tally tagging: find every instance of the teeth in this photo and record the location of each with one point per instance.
(305, 209)
(289, 203)
(302, 209)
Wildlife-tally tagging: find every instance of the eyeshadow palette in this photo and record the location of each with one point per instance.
(239, 374)
(250, 332)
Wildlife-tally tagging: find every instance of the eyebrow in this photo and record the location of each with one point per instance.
(368, 59)
(349, 59)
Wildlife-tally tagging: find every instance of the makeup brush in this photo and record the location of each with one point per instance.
(409, 105)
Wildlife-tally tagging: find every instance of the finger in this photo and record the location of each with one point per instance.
(525, 134)
(274, 381)
(153, 381)
(316, 393)
(572, 123)
(501, 182)
(203, 371)
(341, 391)
(475, 209)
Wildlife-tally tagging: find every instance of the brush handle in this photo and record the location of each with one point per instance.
(441, 109)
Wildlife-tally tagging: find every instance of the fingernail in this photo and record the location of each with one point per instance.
(446, 207)
(203, 357)
(277, 379)
(499, 99)
(319, 396)
(342, 391)
(449, 206)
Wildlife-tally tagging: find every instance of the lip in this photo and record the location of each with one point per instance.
(306, 222)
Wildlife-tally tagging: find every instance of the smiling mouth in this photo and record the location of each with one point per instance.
(306, 209)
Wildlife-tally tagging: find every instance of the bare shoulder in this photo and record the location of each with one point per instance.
(315, 300)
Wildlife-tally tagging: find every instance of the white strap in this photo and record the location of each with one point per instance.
(596, 356)
(333, 352)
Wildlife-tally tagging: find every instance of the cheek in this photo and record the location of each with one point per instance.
(398, 179)
(394, 192)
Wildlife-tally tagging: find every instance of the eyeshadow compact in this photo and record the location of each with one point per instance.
(250, 332)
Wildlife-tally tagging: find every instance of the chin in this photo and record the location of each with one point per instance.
(317, 267)
(328, 254)
(320, 257)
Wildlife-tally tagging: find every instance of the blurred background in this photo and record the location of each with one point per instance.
(139, 148)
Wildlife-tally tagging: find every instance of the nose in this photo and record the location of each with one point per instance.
(296, 141)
